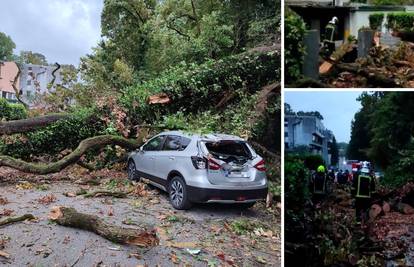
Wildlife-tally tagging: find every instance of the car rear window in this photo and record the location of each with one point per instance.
(233, 148)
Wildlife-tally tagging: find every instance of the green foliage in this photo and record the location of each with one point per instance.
(29, 57)
(10, 111)
(51, 140)
(6, 47)
(391, 2)
(295, 29)
(375, 21)
(204, 84)
(400, 21)
(296, 186)
(244, 226)
(312, 162)
(382, 133)
(360, 128)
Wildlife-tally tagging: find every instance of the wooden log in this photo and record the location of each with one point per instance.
(374, 211)
(386, 207)
(405, 208)
(143, 236)
(17, 219)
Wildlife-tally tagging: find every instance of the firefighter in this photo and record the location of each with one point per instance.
(331, 30)
(318, 184)
(363, 186)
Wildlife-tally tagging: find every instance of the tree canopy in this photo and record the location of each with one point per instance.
(6, 47)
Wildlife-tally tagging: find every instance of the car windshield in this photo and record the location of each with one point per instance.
(229, 149)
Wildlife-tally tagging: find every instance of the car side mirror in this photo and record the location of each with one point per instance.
(141, 149)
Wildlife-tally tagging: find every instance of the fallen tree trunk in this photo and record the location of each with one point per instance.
(72, 158)
(143, 236)
(17, 219)
(27, 125)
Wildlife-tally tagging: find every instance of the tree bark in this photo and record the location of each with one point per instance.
(72, 158)
(17, 90)
(143, 236)
(27, 125)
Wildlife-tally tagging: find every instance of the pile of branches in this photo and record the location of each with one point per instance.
(385, 67)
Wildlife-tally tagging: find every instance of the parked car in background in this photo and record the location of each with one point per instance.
(195, 168)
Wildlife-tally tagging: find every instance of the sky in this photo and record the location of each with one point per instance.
(62, 30)
(337, 108)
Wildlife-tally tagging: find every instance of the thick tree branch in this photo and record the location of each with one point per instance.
(72, 158)
(143, 236)
(27, 125)
(17, 90)
(54, 75)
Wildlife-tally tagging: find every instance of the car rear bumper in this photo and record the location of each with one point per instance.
(203, 195)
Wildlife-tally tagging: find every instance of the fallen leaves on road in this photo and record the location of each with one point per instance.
(47, 199)
(226, 259)
(24, 186)
(6, 212)
(3, 201)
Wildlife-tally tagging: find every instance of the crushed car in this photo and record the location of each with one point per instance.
(195, 168)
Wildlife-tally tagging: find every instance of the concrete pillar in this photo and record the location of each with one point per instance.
(310, 66)
(365, 42)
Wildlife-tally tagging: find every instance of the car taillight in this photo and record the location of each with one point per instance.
(198, 162)
(260, 166)
(213, 165)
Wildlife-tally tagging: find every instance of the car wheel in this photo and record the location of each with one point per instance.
(132, 171)
(246, 206)
(177, 190)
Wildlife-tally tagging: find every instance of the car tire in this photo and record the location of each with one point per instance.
(177, 191)
(132, 171)
(246, 206)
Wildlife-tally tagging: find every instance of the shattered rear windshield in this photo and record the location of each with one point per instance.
(230, 148)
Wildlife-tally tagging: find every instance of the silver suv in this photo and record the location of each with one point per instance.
(196, 168)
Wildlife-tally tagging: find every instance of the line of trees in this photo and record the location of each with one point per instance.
(382, 131)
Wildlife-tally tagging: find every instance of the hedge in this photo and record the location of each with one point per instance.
(400, 21)
(195, 88)
(295, 29)
(375, 21)
(10, 111)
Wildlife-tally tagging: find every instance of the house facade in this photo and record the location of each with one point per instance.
(35, 79)
(351, 16)
(308, 131)
(8, 72)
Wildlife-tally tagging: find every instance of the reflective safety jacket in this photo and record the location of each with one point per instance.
(363, 186)
(330, 32)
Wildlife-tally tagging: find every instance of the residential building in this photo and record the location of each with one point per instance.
(8, 72)
(352, 16)
(35, 79)
(309, 131)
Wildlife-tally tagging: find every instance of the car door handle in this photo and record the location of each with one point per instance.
(152, 157)
(172, 158)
